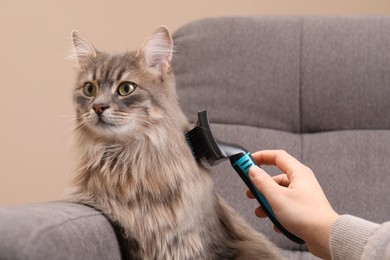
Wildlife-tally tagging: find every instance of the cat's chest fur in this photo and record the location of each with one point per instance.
(152, 193)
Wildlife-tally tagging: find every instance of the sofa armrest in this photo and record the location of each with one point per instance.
(56, 230)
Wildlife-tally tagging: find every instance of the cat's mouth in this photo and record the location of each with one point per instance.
(108, 125)
(104, 123)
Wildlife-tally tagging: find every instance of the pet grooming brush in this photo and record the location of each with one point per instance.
(204, 145)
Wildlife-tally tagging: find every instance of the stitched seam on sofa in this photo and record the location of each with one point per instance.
(300, 92)
(250, 126)
(300, 73)
(35, 236)
(305, 133)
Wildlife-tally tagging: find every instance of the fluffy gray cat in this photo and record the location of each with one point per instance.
(135, 165)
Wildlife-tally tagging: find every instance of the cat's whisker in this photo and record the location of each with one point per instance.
(60, 116)
(80, 127)
(56, 117)
(183, 121)
(67, 132)
(63, 124)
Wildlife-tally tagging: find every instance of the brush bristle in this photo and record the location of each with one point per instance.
(196, 142)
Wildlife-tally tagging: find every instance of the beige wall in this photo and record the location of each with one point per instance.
(36, 80)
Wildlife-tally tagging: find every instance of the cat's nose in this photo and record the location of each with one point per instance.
(99, 108)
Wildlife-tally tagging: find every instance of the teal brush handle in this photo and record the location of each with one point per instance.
(242, 163)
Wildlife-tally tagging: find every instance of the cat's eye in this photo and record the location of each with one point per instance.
(89, 89)
(126, 88)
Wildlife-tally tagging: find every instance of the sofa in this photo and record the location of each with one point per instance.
(317, 87)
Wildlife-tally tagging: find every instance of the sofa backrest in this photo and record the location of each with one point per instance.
(317, 87)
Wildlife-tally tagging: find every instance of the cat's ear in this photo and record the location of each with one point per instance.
(157, 50)
(83, 50)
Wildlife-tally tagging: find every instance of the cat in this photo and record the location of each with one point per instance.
(135, 165)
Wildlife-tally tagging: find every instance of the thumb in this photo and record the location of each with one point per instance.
(263, 182)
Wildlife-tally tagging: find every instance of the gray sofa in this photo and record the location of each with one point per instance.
(317, 87)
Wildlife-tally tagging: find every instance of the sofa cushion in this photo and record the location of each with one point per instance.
(237, 68)
(345, 73)
(56, 230)
(296, 74)
(317, 87)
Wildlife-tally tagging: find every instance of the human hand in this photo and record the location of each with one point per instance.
(296, 198)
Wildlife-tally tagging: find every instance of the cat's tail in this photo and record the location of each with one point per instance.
(249, 243)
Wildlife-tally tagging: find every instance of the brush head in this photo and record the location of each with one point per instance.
(195, 140)
(203, 144)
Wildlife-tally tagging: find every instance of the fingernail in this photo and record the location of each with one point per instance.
(253, 172)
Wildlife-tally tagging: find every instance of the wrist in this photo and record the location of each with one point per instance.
(318, 242)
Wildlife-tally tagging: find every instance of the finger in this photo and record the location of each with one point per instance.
(260, 212)
(249, 194)
(282, 180)
(263, 182)
(277, 230)
(280, 158)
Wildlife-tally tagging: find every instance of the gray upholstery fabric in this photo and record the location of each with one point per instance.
(226, 65)
(288, 73)
(56, 230)
(317, 87)
(345, 74)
